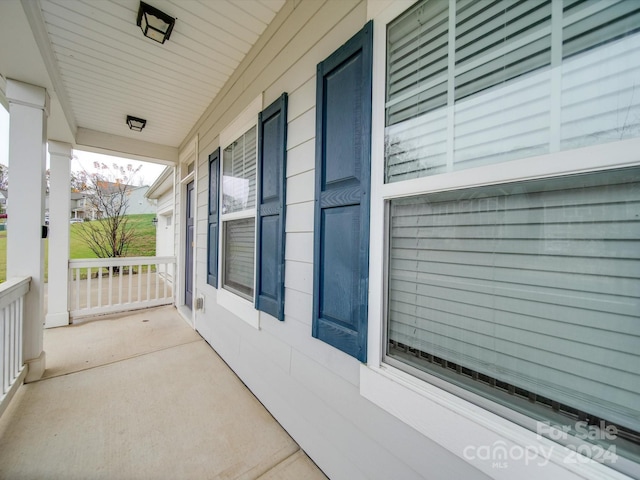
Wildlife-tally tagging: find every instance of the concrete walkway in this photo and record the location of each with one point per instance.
(142, 396)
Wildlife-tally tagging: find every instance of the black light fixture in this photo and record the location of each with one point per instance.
(136, 124)
(154, 23)
(155, 221)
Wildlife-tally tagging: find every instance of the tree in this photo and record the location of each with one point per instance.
(108, 195)
(4, 177)
(79, 182)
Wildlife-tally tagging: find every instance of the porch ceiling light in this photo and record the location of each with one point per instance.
(136, 124)
(154, 23)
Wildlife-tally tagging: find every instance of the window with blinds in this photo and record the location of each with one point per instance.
(238, 214)
(492, 81)
(527, 293)
(239, 251)
(239, 174)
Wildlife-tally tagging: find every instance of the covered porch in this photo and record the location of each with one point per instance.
(142, 395)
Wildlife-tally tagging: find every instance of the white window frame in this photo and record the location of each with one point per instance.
(451, 421)
(227, 299)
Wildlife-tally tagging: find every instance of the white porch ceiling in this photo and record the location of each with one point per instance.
(102, 68)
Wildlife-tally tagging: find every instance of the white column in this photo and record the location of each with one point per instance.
(28, 110)
(59, 205)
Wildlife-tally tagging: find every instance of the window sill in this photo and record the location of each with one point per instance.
(492, 444)
(239, 307)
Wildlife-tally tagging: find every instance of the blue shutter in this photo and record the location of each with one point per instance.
(272, 164)
(343, 164)
(214, 218)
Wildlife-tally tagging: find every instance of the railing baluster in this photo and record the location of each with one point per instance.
(139, 283)
(77, 288)
(165, 265)
(148, 282)
(99, 286)
(110, 299)
(20, 330)
(157, 280)
(12, 340)
(5, 352)
(120, 274)
(130, 281)
(89, 287)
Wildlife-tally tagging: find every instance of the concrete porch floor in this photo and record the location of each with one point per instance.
(142, 396)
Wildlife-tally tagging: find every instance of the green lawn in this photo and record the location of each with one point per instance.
(143, 246)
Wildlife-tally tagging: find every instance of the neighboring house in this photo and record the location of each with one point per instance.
(411, 226)
(161, 192)
(138, 202)
(85, 206)
(81, 207)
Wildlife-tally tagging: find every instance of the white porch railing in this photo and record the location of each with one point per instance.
(12, 294)
(108, 285)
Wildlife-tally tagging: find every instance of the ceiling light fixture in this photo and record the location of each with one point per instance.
(154, 23)
(136, 124)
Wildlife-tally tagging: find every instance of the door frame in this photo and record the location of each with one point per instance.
(189, 250)
(187, 156)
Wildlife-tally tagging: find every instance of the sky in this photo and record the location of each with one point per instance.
(83, 160)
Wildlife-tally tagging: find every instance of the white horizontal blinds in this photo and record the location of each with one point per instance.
(535, 284)
(239, 174)
(499, 40)
(417, 61)
(600, 86)
(589, 23)
(502, 87)
(417, 79)
(503, 83)
(503, 124)
(239, 250)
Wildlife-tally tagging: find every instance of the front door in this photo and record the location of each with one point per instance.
(188, 256)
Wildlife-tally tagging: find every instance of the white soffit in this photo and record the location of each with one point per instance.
(109, 70)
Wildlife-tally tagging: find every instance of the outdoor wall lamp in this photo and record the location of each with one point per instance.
(155, 221)
(154, 23)
(136, 124)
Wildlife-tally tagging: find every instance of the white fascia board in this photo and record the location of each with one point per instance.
(162, 184)
(108, 144)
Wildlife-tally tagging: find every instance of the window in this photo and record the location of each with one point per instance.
(238, 214)
(527, 292)
(517, 286)
(497, 81)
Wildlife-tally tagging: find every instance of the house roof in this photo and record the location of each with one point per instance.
(98, 67)
(162, 184)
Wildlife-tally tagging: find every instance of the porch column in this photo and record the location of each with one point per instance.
(59, 208)
(28, 111)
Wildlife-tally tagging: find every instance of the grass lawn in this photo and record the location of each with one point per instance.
(144, 244)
